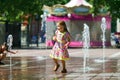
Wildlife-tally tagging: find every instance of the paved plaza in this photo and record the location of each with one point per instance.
(84, 64)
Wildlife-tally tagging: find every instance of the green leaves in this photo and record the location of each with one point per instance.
(13, 9)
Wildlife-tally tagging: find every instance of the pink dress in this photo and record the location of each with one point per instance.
(59, 51)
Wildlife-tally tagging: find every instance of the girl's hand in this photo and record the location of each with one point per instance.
(66, 45)
(54, 38)
(16, 51)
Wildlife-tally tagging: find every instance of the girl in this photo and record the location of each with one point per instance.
(59, 51)
(3, 52)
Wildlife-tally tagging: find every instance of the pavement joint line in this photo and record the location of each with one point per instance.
(74, 52)
(114, 55)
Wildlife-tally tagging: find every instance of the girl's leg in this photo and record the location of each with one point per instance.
(56, 64)
(64, 67)
(2, 56)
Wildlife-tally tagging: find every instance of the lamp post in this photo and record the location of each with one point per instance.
(37, 18)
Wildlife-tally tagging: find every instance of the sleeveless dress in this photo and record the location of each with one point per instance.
(59, 51)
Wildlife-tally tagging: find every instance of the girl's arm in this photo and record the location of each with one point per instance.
(12, 52)
(68, 41)
(55, 36)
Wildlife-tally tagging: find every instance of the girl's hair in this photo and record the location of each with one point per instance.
(3, 49)
(62, 23)
(5, 44)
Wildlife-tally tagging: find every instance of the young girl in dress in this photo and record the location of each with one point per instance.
(59, 50)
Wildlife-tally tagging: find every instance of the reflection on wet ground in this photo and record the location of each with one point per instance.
(40, 68)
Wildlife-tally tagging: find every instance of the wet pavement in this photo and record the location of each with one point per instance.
(92, 64)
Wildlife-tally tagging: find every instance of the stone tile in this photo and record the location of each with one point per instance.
(40, 66)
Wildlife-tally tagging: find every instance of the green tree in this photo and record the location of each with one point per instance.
(12, 10)
(112, 6)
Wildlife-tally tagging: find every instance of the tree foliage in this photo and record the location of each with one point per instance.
(12, 10)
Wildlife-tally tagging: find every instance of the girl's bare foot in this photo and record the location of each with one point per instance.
(64, 71)
(1, 63)
(56, 67)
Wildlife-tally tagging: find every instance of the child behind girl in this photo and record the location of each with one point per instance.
(3, 52)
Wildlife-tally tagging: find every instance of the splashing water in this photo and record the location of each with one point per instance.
(9, 43)
(86, 45)
(103, 28)
(86, 37)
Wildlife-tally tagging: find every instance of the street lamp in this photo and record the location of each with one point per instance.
(37, 18)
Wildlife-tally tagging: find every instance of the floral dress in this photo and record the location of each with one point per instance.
(59, 51)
